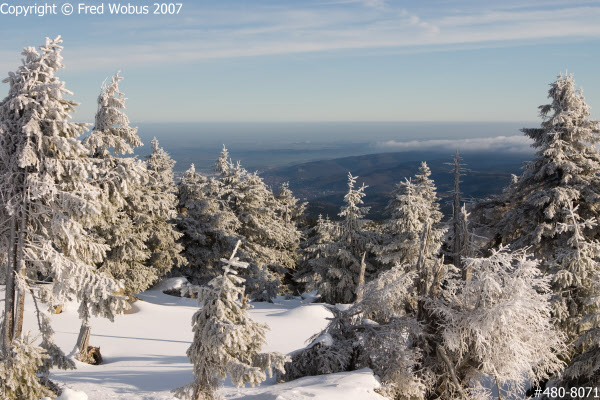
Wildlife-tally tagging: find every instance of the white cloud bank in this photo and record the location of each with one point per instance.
(499, 144)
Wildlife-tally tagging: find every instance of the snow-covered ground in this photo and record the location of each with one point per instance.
(144, 352)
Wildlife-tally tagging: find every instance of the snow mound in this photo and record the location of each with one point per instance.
(307, 312)
(325, 340)
(171, 284)
(355, 385)
(311, 297)
(70, 394)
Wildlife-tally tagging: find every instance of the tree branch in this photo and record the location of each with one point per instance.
(441, 352)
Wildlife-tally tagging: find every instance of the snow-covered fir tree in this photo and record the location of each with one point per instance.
(291, 209)
(312, 261)
(413, 204)
(130, 207)
(498, 323)
(565, 170)
(270, 237)
(270, 240)
(577, 305)
(226, 341)
(48, 201)
(18, 371)
(427, 190)
(531, 212)
(208, 225)
(402, 231)
(575, 270)
(137, 204)
(162, 242)
(383, 331)
(429, 334)
(332, 265)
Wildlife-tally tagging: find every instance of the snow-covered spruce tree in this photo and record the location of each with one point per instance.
(270, 240)
(130, 207)
(226, 341)
(208, 225)
(565, 170)
(18, 371)
(402, 231)
(270, 243)
(575, 270)
(576, 276)
(332, 265)
(429, 334)
(498, 323)
(47, 199)
(162, 242)
(427, 190)
(584, 368)
(411, 207)
(383, 331)
(312, 261)
(291, 209)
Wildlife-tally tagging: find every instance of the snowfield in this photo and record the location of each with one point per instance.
(144, 352)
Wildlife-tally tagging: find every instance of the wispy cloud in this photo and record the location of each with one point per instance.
(379, 4)
(216, 31)
(500, 144)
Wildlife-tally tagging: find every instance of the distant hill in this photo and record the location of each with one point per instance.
(324, 183)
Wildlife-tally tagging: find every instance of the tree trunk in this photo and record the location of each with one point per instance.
(83, 341)
(498, 387)
(456, 245)
(361, 279)
(441, 352)
(20, 307)
(9, 299)
(422, 271)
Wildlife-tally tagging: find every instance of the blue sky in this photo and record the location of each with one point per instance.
(324, 60)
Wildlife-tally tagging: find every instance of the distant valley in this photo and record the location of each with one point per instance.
(324, 183)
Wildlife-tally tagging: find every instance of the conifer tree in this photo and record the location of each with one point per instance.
(534, 209)
(427, 190)
(333, 264)
(291, 209)
(413, 205)
(498, 323)
(130, 207)
(402, 232)
(430, 334)
(575, 272)
(47, 199)
(208, 225)
(226, 341)
(564, 171)
(18, 371)
(270, 241)
(126, 208)
(313, 263)
(162, 242)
